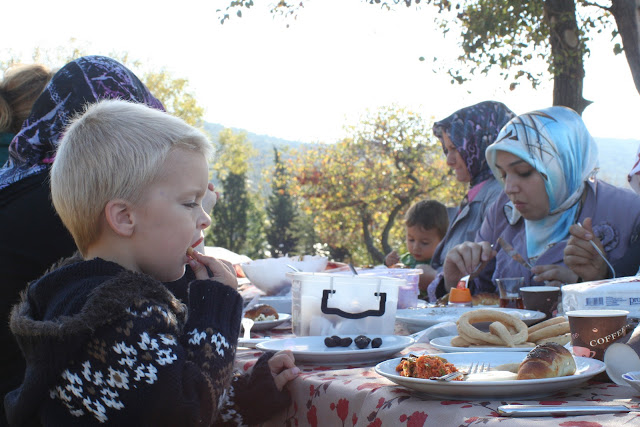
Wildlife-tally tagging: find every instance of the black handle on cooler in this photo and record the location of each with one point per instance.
(330, 310)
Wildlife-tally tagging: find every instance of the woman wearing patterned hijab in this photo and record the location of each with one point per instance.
(464, 136)
(546, 162)
(33, 236)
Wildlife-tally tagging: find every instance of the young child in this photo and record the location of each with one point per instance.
(104, 338)
(426, 223)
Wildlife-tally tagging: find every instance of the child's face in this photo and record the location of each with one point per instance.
(422, 243)
(169, 218)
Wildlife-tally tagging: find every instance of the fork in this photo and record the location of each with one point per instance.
(473, 369)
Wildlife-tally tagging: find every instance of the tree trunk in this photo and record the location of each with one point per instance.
(627, 16)
(567, 51)
(376, 255)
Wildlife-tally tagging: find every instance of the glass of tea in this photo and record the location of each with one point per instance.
(509, 289)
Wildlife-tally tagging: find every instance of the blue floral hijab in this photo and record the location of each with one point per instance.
(556, 143)
(83, 81)
(471, 130)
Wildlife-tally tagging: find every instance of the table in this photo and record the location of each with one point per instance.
(353, 395)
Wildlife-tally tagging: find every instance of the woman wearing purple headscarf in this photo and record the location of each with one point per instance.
(464, 136)
(33, 237)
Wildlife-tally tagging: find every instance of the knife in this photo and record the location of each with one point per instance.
(513, 253)
(558, 410)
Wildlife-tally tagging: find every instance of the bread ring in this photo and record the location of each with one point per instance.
(550, 331)
(560, 339)
(500, 330)
(466, 328)
(458, 341)
(470, 340)
(548, 322)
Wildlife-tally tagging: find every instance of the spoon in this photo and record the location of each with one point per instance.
(293, 268)
(613, 272)
(247, 324)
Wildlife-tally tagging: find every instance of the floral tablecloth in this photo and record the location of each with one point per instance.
(357, 396)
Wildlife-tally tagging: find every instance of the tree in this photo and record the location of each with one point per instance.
(281, 212)
(357, 189)
(230, 219)
(508, 35)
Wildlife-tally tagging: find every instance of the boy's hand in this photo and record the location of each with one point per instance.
(221, 272)
(392, 258)
(283, 368)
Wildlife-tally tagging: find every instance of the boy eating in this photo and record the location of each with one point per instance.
(426, 223)
(104, 338)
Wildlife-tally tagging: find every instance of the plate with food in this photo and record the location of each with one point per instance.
(512, 375)
(265, 317)
(504, 333)
(417, 319)
(342, 349)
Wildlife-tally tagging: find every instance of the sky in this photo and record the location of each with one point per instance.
(337, 60)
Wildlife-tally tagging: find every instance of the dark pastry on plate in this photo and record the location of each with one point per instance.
(262, 312)
(547, 361)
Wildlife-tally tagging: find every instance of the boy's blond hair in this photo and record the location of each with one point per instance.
(114, 150)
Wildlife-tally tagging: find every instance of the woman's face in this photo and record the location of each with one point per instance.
(524, 186)
(455, 160)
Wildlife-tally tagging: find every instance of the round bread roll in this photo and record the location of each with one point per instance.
(261, 309)
(547, 361)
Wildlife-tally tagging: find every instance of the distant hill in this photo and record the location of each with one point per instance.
(616, 156)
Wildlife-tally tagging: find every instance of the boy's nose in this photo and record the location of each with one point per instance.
(204, 220)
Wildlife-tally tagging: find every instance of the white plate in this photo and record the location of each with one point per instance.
(312, 349)
(512, 389)
(444, 344)
(417, 319)
(251, 342)
(268, 324)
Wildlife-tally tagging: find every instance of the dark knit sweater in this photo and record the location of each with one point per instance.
(107, 345)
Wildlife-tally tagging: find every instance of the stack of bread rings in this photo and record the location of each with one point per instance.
(506, 330)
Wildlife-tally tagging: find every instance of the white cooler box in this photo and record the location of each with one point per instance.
(329, 304)
(622, 293)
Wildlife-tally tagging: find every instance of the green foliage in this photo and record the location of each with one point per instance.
(230, 218)
(281, 213)
(356, 189)
(237, 221)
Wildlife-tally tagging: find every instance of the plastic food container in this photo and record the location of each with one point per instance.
(336, 304)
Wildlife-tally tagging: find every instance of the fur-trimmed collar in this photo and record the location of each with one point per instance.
(110, 291)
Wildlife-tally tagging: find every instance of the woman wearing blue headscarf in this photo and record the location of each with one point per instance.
(546, 162)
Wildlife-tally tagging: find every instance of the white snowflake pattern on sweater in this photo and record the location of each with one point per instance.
(109, 381)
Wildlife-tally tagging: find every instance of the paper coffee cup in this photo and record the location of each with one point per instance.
(592, 331)
(541, 298)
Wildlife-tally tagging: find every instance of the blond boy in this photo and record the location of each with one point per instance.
(105, 339)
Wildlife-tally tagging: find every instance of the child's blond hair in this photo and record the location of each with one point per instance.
(114, 150)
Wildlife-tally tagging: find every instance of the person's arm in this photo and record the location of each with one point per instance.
(150, 367)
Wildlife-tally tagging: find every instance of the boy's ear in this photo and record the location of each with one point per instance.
(119, 216)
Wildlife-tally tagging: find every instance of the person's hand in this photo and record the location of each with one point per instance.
(210, 198)
(427, 276)
(283, 368)
(554, 275)
(392, 258)
(463, 259)
(581, 257)
(222, 272)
